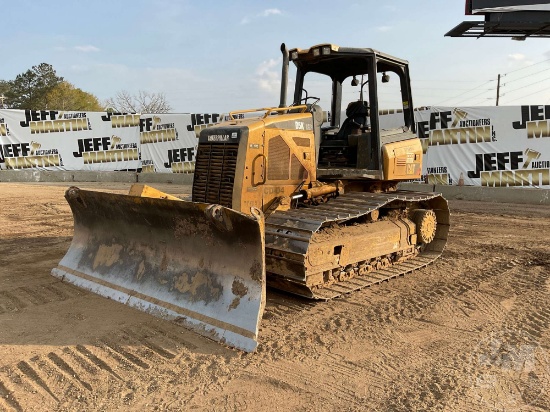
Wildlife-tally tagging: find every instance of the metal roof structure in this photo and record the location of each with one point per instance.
(517, 19)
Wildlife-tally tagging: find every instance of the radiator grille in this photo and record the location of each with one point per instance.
(401, 161)
(301, 141)
(297, 171)
(215, 173)
(279, 159)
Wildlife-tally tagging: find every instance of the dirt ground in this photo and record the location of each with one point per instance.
(469, 333)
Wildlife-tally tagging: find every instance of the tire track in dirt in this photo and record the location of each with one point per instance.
(404, 303)
(311, 380)
(280, 304)
(427, 389)
(80, 359)
(457, 380)
(7, 398)
(30, 373)
(414, 304)
(59, 379)
(56, 379)
(10, 303)
(510, 365)
(69, 371)
(113, 348)
(54, 208)
(512, 343)
(530, 316)
(410, 303)
(97, 361)
(535, 322)
(178, 341)
(67, 374)
(484, 303)
(507, 373)
(15, 300)
(371, 376)
(141, 340)
(419, 375)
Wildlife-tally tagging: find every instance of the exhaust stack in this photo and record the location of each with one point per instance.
(284, 75)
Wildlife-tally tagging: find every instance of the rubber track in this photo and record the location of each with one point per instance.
(290, 232)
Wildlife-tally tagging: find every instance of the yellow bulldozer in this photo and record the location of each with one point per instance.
(282, 196)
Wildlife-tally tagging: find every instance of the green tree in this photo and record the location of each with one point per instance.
(65, 96)
(30, 90)
(4, 89)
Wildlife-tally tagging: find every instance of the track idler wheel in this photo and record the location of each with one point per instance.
(426, 224)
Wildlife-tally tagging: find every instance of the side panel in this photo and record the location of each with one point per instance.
(251, 173)
(290, 150)
(402, 160)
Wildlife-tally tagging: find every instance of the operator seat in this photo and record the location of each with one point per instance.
(339, 149)
(357, 114)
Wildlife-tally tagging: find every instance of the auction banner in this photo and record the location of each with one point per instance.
(169, 141)
(504, 146)
(58, 140)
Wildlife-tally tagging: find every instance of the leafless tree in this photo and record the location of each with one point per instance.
(142, 102)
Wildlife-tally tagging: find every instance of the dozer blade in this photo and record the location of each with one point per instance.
(198, 264)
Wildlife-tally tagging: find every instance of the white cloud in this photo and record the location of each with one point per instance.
(269, 12)
(87, 48)
(265, 13)
(519, 60)
(384, 28)
(517, 56)
(267, 77)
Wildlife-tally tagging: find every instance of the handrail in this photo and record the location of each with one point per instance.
(264, 174)
(268, 110)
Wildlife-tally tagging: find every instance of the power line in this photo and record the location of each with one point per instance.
(526, 67)
(445, 80)
(462, 94)
(527, 95)
(521, 78)
(437, 88)
(522, 87)
(472, 97)
(478, 87)
(482, 100)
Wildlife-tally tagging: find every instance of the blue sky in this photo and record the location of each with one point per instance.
(224, 55)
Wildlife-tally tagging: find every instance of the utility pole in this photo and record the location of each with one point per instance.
(498, 88)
